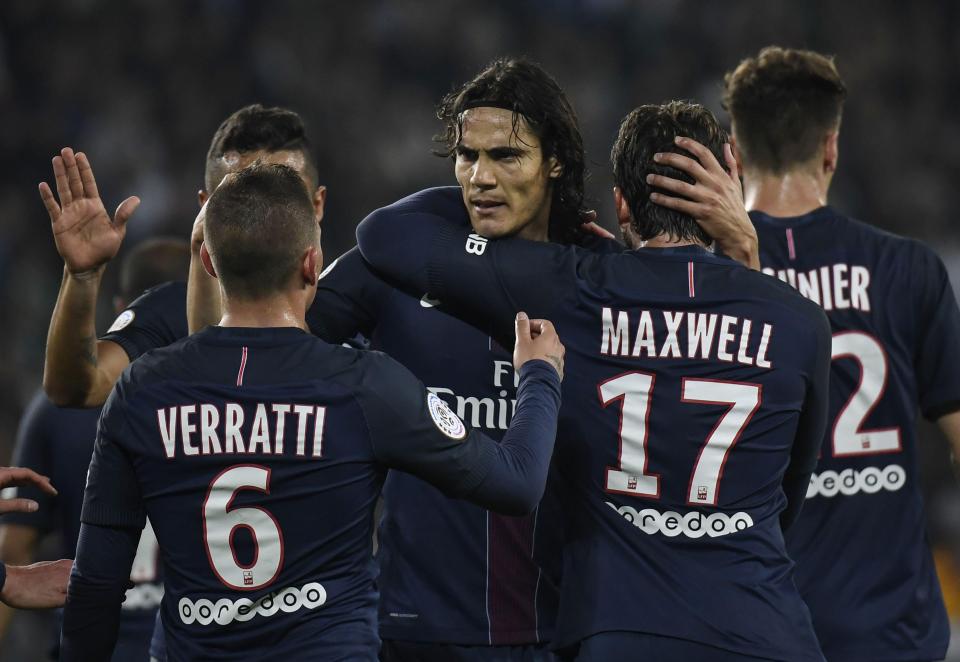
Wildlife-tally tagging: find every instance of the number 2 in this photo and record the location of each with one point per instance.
(635, 389)
(848, 436)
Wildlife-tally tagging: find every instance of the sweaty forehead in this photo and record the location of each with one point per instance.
(233, 161)
(486, 127)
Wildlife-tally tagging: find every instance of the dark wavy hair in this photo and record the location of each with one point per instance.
(644, 132)
(524, 88)
(783, 102)
(252, 129)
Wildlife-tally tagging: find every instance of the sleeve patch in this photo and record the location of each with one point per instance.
(123, 321)
(443, 417)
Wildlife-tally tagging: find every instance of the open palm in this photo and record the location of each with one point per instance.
(86, 236)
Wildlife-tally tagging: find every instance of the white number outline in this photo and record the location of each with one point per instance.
(261, 539)
(724, 443)
(848, 352)
(634, 466)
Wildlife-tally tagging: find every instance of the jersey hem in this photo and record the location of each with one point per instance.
(459, 637)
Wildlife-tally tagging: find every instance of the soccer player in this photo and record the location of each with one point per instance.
(459, 582)
(41, 585)
(863, 563)
(693, 408)
(59, 442)
(258, 452)
(79, 369)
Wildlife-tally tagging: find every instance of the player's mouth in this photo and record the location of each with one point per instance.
(484, 208)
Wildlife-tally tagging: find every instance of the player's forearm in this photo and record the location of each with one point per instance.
(71, 375)
(745, 249)
(203, 296)
(98, 583)
(517, 476)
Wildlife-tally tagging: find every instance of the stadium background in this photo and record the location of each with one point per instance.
(141, 86)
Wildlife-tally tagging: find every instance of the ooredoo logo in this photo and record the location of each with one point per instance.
(850, 481)
(225, 611)
(694, 524)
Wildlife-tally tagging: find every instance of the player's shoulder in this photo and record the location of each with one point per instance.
(165, 301)
(164, 293)
(445, 201)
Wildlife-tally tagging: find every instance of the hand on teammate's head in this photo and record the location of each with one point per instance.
(537, 339)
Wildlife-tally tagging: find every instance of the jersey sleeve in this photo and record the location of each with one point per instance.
(98, 583)
(33, 452)
(937, 354)
(414, 430)
(483, 282)
(812, 423)
(156, 318)
(348, 299)
(112, 497)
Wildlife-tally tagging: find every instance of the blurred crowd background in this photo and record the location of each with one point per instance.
(141, 85)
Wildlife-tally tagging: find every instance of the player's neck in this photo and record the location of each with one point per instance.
(793, 193)
(664, 241)
(280, 310)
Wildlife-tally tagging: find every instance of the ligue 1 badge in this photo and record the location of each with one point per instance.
(123, 321)
(445, 420)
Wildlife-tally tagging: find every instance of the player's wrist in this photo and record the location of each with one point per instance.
(85, 275)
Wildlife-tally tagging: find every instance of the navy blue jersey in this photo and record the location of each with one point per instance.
(694, 402)
(57, 442)
(450, 571)
(258, 455)
(497, 580)
(156, 318)
(863, 562)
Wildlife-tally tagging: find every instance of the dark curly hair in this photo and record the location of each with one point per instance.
(524, 88)
(782, 103)
(644, 132)
(252, 129)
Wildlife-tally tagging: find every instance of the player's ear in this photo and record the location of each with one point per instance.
(736, 151)
(202, 197)
(207, 262)
(555, 167)
(831, 151)
(624, 217)
(319, 200)
(311, 265)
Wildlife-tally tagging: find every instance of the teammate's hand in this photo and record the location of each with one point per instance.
(39, 586)
(85, 235)
(537, 339)
(15, 476)
(588, 223)
(714, 200)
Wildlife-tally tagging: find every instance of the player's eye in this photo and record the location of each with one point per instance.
(466, 154)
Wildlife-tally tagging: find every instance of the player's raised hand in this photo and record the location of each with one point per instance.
(537, 339)
(16, 476)
(86, 236)
(42, 585)
(714, 200)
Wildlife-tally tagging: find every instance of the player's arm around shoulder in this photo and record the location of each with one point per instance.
(414, 430)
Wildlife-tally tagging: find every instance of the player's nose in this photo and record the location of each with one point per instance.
(482, 174)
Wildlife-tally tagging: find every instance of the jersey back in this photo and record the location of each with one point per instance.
(863, 562)
(686, 376)
(249, 450)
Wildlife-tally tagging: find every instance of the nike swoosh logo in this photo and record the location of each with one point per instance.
(427, 302)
